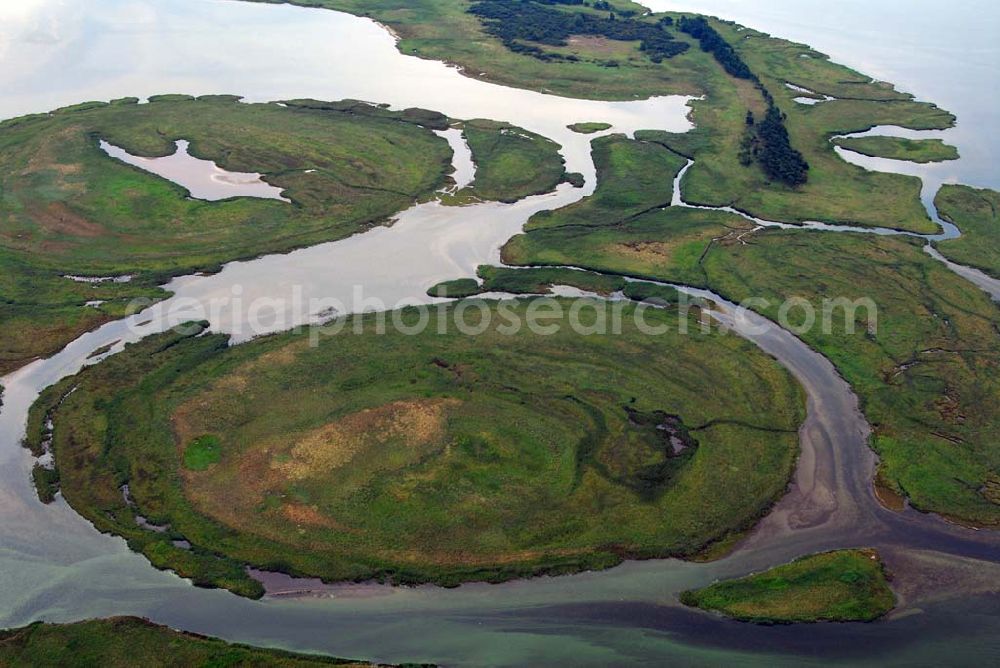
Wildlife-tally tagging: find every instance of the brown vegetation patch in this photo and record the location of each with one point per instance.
(310, 515)
(44, 158)
(991, 490)
(464, 558)
(887, 495)
(645, 251)
(238, 489)
(417, 422)
(599, 46)
(58, 218)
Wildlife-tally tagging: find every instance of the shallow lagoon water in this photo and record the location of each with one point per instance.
(203, 179)
(54, 566)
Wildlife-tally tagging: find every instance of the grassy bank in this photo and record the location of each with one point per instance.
(130, 641)
(898, 148)
(927, 375)
(840, 586)
(436, 457)
(977, 215)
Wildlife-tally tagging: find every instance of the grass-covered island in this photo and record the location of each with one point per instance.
(434, 457)
(899, 148)
(130, 641)
(511, 163)
(839, 586)
(69, 209)
(589, 128)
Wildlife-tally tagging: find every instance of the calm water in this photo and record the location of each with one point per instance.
(203, 179)
(54, 566)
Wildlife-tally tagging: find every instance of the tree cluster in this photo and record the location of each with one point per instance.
(767, 143)
(712, 42)
(767, 140)
(515, 22)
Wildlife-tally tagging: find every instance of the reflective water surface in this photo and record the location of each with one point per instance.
(203, 179)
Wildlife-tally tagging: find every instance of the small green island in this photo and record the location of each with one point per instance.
(131, 641)
(899, 148)
(589, 128)
(511, 163)
(534, 281)
(839, 586)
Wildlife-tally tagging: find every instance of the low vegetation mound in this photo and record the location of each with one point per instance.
(899, 148)
(441, 457)
(130, 641)
(839, 586)
(588, 128)
(534, 281)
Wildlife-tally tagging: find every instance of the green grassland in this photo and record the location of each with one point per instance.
(927, 378)
(130, 641)
(836, 191)
(839, 586)
(666, 245)
(68, 208)
(435, 457)
(977, 215)
(511, 163)
(627, 226)
(899, 148)
(632, 178)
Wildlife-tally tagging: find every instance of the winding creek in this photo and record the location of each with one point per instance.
(55, 566)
